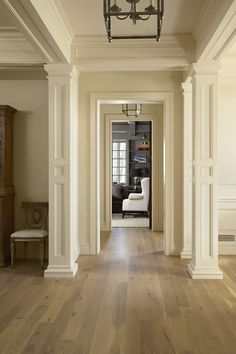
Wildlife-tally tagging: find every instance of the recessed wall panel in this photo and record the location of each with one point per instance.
(59, 121)
(59, 219)
(206, 126)
(206, 213)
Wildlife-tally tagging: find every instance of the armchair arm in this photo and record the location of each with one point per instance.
(135, 196)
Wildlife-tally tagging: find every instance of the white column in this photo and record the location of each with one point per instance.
(186, 251)
(204, 264)
(63, 176)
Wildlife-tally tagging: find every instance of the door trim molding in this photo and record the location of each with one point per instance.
(157, 223)
(96, 99)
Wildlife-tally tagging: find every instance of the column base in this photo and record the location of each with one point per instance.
(184, 253)
(61, 271)
(204, 273)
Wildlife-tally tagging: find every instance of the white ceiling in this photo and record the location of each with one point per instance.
(86, 17)
(6, 19)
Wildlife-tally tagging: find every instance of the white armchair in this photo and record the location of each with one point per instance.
(137, 202)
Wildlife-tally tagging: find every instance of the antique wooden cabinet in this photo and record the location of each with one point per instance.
(6, 181)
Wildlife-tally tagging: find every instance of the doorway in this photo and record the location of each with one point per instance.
(96, 102)
(131, 173)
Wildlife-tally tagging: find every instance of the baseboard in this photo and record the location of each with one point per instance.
(204, 273)
(103, 226)
(85, 249)
(176, 250)
(185, 254)
(61, 271)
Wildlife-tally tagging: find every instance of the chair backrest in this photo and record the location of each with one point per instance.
(36, 215)
(145, 189)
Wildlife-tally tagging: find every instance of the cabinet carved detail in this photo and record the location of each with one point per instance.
(6, 184)
(1, 152)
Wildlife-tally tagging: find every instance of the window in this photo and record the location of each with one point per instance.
(119, 160)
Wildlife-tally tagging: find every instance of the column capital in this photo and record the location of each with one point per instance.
(187, 86)
(60, 69)
(207, 68)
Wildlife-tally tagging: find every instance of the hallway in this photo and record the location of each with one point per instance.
(130, 299)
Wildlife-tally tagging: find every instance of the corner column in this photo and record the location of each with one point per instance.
(204, 264)
(186, 251)
(63, 171)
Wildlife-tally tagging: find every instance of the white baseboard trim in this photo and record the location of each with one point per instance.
(61, 271)
(204, 273)
(103, 226)
(227, 248)
(185, 254)
(175, 250)
(85, 249)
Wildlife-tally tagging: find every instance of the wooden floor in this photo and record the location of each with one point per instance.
(130, 299)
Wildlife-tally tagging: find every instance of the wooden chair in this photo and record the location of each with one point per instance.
(36, 216)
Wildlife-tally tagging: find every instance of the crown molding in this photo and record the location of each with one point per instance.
(66, 23)
(94, 53)
(15, 49)
(215, 29)
(53, 16)
(43, 26)
(22, 72)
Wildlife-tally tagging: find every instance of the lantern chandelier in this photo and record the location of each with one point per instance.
(132, 110)
(112, 11)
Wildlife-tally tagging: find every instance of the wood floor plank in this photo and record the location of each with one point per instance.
(131, 299)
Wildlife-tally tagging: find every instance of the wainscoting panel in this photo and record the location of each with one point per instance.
(227, 222)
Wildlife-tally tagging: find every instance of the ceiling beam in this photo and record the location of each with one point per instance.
(42, 25)
(94, 53)
(216, 30)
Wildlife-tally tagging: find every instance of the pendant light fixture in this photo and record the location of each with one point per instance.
(135, 11)
(132, 110)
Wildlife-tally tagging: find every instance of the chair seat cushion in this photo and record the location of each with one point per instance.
(135, 196)
(29, 233)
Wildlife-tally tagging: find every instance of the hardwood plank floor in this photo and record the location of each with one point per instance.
(130, 299)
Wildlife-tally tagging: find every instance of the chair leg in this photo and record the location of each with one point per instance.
(25, 248)
(12, 253)
(45, 249)
(123, 214)
(42, 253)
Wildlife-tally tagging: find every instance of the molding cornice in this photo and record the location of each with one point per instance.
(53, 16)
(215, 36)
(61, 70)
(187, 86)
(205, 68)
(96, 54)
(42, 25)
(16, 50)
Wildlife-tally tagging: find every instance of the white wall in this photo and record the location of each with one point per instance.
(227, 167)
(30, 162)
(126, 82)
